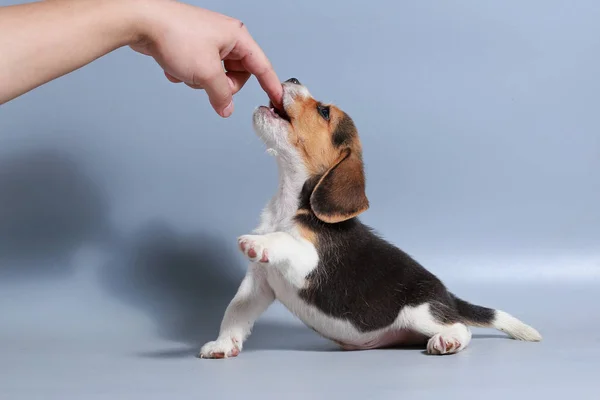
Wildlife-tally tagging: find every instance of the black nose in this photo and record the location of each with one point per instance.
(294, 81)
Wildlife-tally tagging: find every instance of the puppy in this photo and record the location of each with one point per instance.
(312, 253)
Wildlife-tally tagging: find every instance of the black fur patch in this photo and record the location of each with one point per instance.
(306, 192)
(365, 280)
(475, 315)
(344, 132)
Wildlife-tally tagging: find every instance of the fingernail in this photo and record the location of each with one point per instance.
(228, 110)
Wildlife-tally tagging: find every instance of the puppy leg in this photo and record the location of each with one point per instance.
(445, 337)
(253, 297)
(294, 257)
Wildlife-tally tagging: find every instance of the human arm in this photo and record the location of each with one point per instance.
(42, 41)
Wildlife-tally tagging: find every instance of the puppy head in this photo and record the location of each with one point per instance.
(321, 141)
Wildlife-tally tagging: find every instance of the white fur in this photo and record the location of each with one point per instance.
(253, 297)
(516, 329)
(450, 340)
(444, 339)
(295, 257)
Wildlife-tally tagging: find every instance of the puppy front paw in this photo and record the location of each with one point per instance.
(221, 348)
(254, 247)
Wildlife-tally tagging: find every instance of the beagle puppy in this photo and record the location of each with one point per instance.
(334, 273)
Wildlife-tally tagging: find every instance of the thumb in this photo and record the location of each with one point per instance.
(217, 86)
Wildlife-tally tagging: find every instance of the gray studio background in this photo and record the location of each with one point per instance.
(121, 196)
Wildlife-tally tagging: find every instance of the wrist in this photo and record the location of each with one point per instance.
(126, 20)
(141, 19)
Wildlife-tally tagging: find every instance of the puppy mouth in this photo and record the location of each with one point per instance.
(279, 113)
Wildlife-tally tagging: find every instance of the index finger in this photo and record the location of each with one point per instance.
(256, 62)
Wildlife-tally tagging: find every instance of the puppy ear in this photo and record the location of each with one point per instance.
(340, 193)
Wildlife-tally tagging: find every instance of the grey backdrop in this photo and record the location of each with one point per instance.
(121, 196)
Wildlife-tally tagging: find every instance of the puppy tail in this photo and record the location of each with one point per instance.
(489, 318)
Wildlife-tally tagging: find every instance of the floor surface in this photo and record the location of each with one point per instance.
(70, 342)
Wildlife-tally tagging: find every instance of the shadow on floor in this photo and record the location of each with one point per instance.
(266, 335)
(185, 284)
(477, 336)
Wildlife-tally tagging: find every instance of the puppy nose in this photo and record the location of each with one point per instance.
(294, 81)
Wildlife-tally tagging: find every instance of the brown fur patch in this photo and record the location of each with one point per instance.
(340, 194)
(308, 233)
(332, 152)
(312, 135)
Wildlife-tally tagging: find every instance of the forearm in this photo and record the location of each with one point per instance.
(42, 41)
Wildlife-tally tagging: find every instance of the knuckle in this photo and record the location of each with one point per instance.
(235, 24)
(239, 24)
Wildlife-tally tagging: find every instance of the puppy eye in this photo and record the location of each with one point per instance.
(323, 111)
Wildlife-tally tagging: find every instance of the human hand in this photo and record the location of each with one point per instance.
(192, 45)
